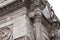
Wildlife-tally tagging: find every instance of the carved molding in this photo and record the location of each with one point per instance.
(11, 7)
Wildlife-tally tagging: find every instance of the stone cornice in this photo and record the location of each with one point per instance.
(11, 7)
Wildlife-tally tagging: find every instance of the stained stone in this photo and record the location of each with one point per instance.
(28, 20)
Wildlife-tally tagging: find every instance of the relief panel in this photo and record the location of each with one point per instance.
(6, 33)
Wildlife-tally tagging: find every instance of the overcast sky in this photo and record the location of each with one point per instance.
(56, 7)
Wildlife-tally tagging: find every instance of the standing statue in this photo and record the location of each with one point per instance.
(34, 14)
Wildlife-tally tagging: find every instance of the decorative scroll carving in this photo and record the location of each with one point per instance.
(6, 33)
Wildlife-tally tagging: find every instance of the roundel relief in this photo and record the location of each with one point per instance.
(6, 33)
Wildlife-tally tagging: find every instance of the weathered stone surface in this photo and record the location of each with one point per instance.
(29, 20)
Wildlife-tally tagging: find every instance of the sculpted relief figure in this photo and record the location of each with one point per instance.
(34, 15)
